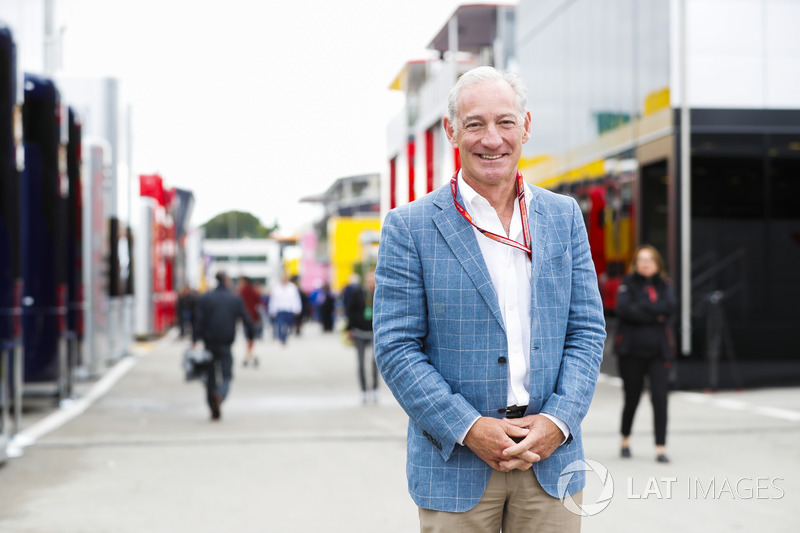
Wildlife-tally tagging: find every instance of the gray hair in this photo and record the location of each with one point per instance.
(481, 74)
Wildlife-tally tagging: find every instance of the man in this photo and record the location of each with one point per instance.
(284, 304)
(252, 301)
(216, 314)
(489, 328)
(185, 309)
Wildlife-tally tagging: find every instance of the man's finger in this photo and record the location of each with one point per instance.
(517, 434)
(524, 453)
(520, 447)
(515, 464)
(523, 422)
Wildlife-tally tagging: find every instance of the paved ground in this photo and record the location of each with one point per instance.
(297, 451)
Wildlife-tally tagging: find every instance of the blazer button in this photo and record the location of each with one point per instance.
(501, 360)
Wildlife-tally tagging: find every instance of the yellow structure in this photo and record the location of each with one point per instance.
(291, 267)
(345, 247)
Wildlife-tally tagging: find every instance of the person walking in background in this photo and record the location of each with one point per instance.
(327, 308)
(262, 310)
(315, 299)
(216, 315)
(252, 301)
(284, 304)
(359, 330)
(645, 304)
(353, 284)
(185, 309)
(305, 308)
(489, 328)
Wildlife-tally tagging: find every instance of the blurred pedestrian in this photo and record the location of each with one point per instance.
(263, 301)
(216, 315)
(252, 301)
(185, 309)
(305, 308)
(284, 303)
(359, 330)
(645, 305)
(489, 328)
(327, 307)
(353, 284)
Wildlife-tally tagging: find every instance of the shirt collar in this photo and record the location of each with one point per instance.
(468, 194)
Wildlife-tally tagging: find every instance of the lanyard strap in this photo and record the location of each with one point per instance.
(523, 211)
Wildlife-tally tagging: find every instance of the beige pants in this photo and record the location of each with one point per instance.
(514, 500)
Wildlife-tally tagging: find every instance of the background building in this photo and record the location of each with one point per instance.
(345, 232)
(610, 85)
(607, 93)
(258, 259)
(420, 157)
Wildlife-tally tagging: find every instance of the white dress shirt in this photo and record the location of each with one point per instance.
(510, 271)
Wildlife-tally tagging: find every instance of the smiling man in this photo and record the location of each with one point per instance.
(489, 328)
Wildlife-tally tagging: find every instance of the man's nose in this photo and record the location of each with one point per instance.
(491, 137)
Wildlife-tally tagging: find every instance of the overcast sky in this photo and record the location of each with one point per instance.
(253, 104)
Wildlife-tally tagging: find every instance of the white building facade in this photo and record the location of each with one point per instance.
(258, 259)
(421, 158)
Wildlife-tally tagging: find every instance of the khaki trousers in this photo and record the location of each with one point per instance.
(514, 501)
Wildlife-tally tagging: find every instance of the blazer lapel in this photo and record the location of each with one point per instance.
(460, 237)
(537, 219)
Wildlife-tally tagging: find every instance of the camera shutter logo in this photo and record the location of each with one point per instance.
(586, 509)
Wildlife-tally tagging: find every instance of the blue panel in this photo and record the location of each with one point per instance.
(42, 231)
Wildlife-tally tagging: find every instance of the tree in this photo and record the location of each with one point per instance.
(237, 225)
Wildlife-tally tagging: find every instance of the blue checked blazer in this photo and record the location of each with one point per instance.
(440, 341)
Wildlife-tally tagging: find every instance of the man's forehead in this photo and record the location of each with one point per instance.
(476, 94)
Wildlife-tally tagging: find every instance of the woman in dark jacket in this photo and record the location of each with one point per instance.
(645, 304)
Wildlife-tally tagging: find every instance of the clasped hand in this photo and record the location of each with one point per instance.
(491, 440)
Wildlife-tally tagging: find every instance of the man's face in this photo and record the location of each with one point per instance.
(490, 132)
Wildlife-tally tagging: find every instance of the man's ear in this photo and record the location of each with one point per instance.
(448, 130)
(527, 134)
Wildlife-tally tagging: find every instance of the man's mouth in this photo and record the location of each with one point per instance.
(490, 157)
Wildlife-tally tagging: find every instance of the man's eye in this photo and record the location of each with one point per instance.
(473, 126)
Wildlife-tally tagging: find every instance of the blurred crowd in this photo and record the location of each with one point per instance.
(281, 309)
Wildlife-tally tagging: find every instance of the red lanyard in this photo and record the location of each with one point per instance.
(523, 211)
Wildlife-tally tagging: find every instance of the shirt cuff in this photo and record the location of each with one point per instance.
(561, 425)
(464, 435)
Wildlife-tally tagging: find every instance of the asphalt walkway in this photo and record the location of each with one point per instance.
(296, 450)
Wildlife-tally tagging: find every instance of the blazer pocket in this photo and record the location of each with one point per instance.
(557, 263)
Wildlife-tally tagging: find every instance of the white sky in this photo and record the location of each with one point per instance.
(253, 104)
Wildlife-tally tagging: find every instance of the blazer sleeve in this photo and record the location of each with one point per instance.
(400, 324)
(585, 334)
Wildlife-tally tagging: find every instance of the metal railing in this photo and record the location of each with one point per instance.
(10, 378)
(709, 304)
